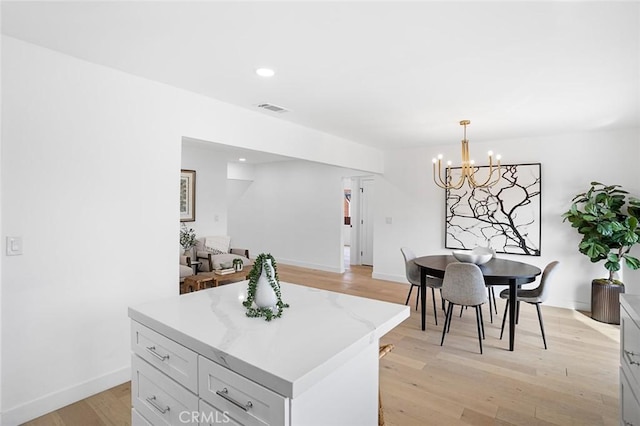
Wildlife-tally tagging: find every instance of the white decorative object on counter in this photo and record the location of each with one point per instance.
(265, 294)
(264, 289)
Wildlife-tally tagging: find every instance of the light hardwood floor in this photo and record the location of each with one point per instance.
(574, 382)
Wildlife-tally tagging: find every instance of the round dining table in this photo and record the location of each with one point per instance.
(495, 272)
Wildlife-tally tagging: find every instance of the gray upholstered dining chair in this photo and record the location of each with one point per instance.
(413, 276)
(534, 296)
(464, 285)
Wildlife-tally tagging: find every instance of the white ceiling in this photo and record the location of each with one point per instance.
(385, 74)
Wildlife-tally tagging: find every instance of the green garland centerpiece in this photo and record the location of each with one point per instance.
(271, 273)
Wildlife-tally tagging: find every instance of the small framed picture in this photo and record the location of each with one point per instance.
(187, 195)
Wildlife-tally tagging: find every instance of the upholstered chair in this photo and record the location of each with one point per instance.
(464, 285)
(412, 272)
(535, 296)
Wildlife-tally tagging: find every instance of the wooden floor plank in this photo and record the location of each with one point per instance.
(574, 382)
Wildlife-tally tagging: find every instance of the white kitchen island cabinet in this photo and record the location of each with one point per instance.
(198, 359)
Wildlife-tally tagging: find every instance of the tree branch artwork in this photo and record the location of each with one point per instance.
(505, 217)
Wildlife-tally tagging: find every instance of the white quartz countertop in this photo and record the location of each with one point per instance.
(320, 331)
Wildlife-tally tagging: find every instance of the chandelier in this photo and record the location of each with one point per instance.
(468, 168)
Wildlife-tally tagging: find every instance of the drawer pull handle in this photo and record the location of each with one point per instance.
(225, 394)
(152, 351)
(155, 405)
(632, 354)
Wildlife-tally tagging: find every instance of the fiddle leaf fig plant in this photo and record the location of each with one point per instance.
(607, 218)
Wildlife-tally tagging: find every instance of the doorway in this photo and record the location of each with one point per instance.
(366, 221)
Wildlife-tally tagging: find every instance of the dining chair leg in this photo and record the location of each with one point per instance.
(493, 296)
(435, 312)
(450, 317)
(517, 312)
(442, 300)
(417, 297)
(504, 318)
(481, 319)
(478, 316)
(490, 304)
(544, 339)
(447, 321)
(409, 295)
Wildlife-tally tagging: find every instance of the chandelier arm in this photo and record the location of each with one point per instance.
(434, 177)
(487, 183)
(442, 183)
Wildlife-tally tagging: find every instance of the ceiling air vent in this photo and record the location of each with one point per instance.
(273, 108)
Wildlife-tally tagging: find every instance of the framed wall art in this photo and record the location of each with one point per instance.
(505, 216)
(187, 195)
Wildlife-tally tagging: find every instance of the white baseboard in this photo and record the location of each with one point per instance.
(396, 278)
(53, 401)
(308, 265)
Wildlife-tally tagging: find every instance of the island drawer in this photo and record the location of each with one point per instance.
(629, 405)
(173, 359)
(245, 401)
(158, 398)
(210, 416)
(630, 346)
(137, 419)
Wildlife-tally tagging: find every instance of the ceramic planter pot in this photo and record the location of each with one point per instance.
(605, 300)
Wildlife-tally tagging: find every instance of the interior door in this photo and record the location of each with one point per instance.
(366, 222)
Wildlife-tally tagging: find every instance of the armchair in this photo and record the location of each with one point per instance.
(215, 251)
(185, 267)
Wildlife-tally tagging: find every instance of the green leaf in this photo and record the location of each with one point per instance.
(612, 266)
(605, 228)
(631, 262)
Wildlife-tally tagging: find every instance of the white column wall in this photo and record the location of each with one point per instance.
(570, 162)
(90, 166)
(211, 189)
(293, 210)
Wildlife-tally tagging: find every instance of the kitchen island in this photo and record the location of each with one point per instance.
(197, 358)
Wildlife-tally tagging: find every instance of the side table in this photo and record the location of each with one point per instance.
(196, 282)
(232, 277)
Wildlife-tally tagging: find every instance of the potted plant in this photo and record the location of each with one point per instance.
(238, 264)
(187, 239)
(607, 219)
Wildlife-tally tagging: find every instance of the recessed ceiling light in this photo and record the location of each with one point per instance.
(265, 72)
(242, 159)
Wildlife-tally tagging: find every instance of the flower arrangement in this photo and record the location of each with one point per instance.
(187, 237)
(274, 281)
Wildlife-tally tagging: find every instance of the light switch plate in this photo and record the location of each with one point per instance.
(14, 246)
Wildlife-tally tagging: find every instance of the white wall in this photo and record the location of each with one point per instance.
(570, 162)
(90, 166)
(211, 188)
(293, 210)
